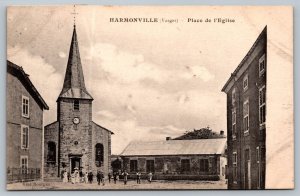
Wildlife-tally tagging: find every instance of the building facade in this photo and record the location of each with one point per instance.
(246, 118)
(198, 159)
(24, 136)
(74, 140)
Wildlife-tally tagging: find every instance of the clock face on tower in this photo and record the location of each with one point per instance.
(76, 120)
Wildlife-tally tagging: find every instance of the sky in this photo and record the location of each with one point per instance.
(148, 80)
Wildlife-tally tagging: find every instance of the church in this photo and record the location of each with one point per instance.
(75, 140)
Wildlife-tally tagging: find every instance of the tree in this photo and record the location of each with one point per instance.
(203, 133)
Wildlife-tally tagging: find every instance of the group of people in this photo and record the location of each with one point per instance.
(79, 177)
(138, 177)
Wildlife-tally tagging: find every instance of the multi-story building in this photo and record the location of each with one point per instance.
(24, 136)
(246, 118)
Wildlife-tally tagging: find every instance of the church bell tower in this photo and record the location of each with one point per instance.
(74, 114)
(75, 142)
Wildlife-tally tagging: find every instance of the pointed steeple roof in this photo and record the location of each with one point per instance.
(74, 86)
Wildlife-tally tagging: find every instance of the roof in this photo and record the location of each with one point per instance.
(52, 124)
(103, 128)
(175, 147)
(24, 78)
(74, 86)
(263, 34)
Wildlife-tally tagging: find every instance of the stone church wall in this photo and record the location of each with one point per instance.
(75, 139)
(51, 135)
(103, 137)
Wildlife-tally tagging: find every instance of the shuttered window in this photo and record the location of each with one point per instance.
(204, 167)
(185, 165)
(133, 165)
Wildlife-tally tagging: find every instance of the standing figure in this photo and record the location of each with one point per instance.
(73, 178)
(115, 177)
(91, 176)
(80, 175)
(150, 177)
(102, 178)
(125, 174)
(98, 177)
(86, 178)
(109, 177)
(119, 174)
(65, 178)
(138, 177)
(69, 176)
(76, 175)
(62, 174)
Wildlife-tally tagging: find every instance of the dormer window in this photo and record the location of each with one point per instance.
(76, 105)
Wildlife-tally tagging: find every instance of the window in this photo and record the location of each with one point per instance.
(24, 136)
(262, 105)
(233, 96)
(262, 64)
(150, 166)
(233, 123)
(234, 164)
(99, 154)
(51, 156)
(25, 106)
(185, 165)
(247, 154)
(204, 165)
(24, 164)
(133, 165)
(245, 82)
(76, 104)
(246, 116)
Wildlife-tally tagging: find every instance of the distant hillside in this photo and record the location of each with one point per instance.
(203, 133)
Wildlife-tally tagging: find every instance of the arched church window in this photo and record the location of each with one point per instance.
(99, 155)
(51, 157)
(76, 105)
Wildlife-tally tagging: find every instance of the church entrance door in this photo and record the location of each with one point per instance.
(75, 163)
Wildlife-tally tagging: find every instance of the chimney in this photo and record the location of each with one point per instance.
(221, 132)
(168, 138)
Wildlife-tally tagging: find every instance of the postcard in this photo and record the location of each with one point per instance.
(149, 97)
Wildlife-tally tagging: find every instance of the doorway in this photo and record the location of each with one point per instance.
(247, 169)
(75, 163)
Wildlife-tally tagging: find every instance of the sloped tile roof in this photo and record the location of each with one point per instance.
(175, 147)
